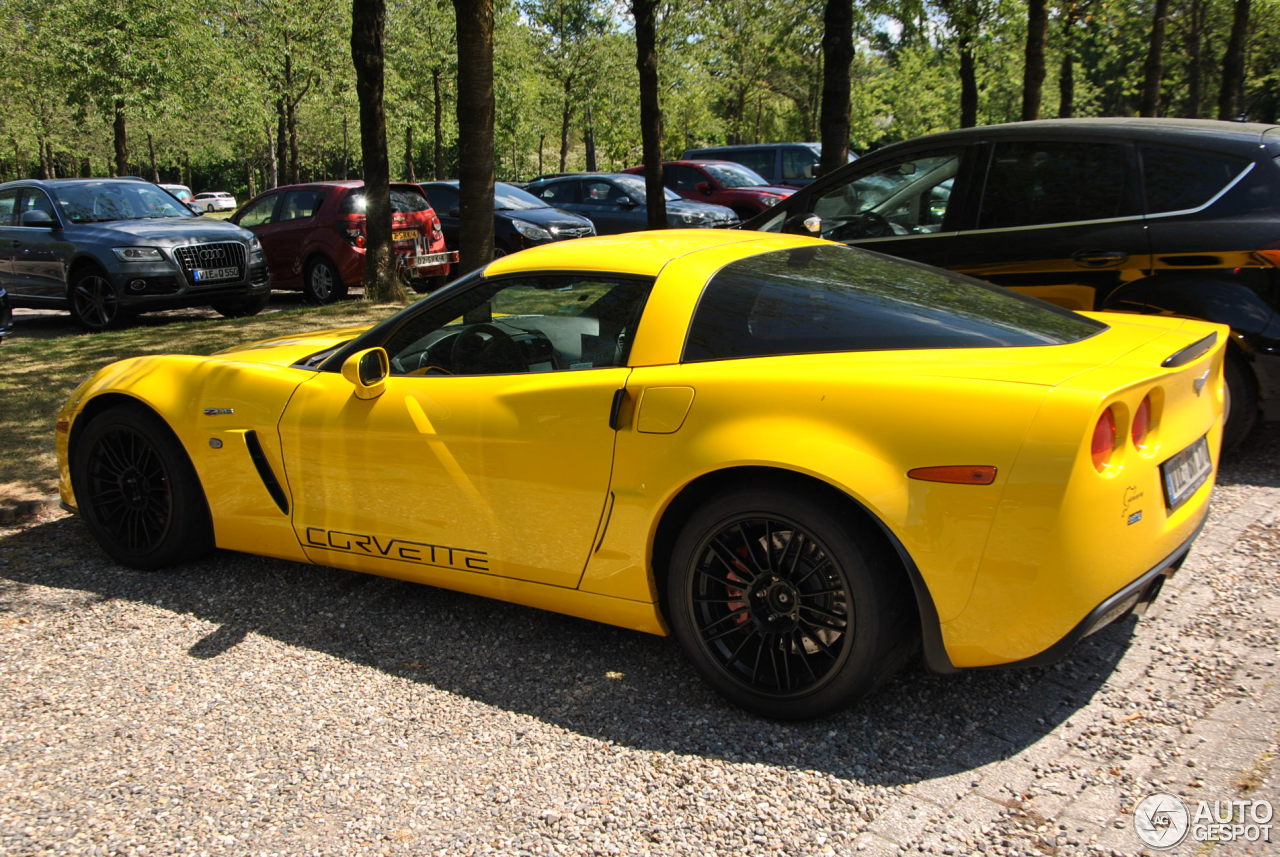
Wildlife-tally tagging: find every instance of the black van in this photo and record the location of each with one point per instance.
(1167, 216)
(788, 164)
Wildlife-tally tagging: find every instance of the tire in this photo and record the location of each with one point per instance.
(424, 285)
(93, 301)
(208, 209)
(242, 307)
(782, 606)
(1242, 402)
(137, 491)
(321, 283)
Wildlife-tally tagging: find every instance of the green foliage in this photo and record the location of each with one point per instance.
(206, 78)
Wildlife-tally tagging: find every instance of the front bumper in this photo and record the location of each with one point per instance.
(153, 286)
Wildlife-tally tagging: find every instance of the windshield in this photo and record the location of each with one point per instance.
(635, 188)
(510, 198)
(733, 175)
(100, 202)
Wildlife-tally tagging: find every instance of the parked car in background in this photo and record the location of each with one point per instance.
(615, 202)
(184, 195)
(215, 201)
(6, 315)
(108, 248)
(1159, 216)
(805, 461)
(314, 236)
(791, 164)
(520, 219)
(721, 183)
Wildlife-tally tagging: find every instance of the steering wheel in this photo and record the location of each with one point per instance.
(485, 348)
(864, 224)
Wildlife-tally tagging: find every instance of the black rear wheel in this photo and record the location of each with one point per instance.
(137, 491)
(1242, 402)
(782, 606)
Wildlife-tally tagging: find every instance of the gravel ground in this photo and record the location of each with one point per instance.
(245, 706)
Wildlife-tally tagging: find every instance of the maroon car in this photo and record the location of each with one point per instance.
(313, 236)
(721, 183)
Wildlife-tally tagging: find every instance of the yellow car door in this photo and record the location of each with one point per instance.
(488, 452)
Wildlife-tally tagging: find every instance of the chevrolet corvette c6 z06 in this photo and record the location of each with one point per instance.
(805, 461)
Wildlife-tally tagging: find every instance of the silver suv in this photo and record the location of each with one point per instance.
(109, 248)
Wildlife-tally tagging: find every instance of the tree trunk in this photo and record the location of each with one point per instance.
(645, 12)
(346, 150)
(1066, 73)
(282, 144)
(1195, 59)
(86, 167)
(121, 139)
(1153, 71)
(409, 173)
(272, 177)
(53, 162)
(368, 21)
(968, 84)
(566, 116)
(837, 56)
(1033, 65)
(437, 159)
(249, 174)
(475, 131)
(1231, 96)
(151, 153)
(589, 139)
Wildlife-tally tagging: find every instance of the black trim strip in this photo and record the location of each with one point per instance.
(265, 473)
(1196, 349)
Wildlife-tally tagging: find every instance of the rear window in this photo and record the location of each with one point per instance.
(1179, 180)
(822, 299)
(402, 202)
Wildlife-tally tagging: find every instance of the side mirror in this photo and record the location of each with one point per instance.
(805, 223)
(367, 371)
(36, 217)
(626, 202)
(704, 187)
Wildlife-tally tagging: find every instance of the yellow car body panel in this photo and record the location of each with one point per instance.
(515, 486)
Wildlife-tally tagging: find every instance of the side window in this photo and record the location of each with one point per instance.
(560, 193)
(296, 205)
(798, 163)
(1178, 179)
(259, 213)
(760, 160)
(600, 192)
(906, 197)
(1056, 182)
(688, 178)
(35, 200)
(444, 200)
(523, 324)
(8, 207)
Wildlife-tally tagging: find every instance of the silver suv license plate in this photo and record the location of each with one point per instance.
(1185, 472)
(200, 275)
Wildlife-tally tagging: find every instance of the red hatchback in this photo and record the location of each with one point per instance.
(721, 183)
(313, 236)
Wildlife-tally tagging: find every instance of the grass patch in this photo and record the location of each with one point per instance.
(41, 373)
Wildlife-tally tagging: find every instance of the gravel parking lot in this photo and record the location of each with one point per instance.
(245, 706)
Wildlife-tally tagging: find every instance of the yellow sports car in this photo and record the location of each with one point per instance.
(806, 461)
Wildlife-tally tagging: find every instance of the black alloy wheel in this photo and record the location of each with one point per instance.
(782, 606)
(137, 490)
(94, 303)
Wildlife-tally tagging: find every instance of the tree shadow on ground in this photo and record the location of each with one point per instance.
(599, 681)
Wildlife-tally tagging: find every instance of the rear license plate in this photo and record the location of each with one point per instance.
(431, 259)
(201, 275)
(1185, 472)
(404, 234)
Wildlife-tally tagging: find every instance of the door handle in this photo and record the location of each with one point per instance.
(1099, 258)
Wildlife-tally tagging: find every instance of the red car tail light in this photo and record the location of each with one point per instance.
(1141, 428)
(1104, 440)
(354, 230)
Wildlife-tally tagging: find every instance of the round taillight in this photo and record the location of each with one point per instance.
(1141, 423)
(1104, 440)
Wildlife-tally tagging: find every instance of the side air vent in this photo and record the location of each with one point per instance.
(268, 478)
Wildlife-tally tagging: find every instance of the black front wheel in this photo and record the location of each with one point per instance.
(137, 491)
(242, 307)
(93, 300)
(783, 607)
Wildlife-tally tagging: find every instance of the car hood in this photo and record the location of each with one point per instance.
(288, 350)
(165, 232)
(717, 213)
(543, 217)
(755, 190)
